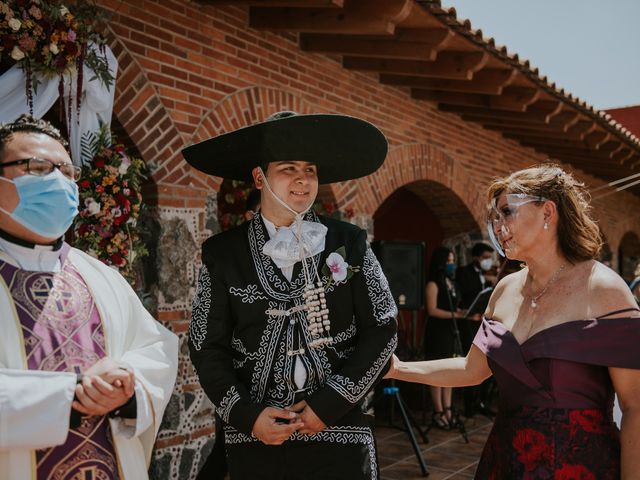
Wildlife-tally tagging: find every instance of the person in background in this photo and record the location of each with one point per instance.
(560, 336)
(441, 335)
(472, 279)
(85, 371)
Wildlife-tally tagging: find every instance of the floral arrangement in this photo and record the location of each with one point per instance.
(232, 201)
(330, 209)
(110, 202)
(46, 37)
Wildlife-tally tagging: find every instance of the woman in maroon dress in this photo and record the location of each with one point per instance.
(561, 337)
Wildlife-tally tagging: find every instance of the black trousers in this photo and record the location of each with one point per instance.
(299, 460)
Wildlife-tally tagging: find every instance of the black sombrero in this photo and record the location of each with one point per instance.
(342, 147)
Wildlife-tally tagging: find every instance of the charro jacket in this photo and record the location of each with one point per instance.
(246, 332)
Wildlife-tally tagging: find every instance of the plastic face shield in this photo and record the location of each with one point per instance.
(501, 216)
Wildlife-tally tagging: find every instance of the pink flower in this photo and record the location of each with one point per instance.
(337, 266)
(71, 35)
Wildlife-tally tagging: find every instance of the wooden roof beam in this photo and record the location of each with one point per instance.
(545, 141)
(515, 100)
(277, 3)
(355, 46)
(597, 138)
(611, 147)
(373, 17)
(522, 130)
(582, 128)
(460, 66)
(558, 149)
(623, 155)
(537, 113)
(564, 120)
(487, 82)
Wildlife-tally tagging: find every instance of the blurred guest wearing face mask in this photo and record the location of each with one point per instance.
(440, 339)
(85, 371)
(472, 279)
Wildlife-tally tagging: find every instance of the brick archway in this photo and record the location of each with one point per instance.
(142, 113)
(411, 165)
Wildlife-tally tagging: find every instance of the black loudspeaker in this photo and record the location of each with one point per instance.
(403, 265)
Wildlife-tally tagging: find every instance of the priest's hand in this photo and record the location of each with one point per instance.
(96, 397)
(312, 423)
(114, 373)
(269, 431)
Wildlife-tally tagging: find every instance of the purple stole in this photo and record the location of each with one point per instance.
(62, 332)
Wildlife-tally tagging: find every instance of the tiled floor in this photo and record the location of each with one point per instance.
(446, 454)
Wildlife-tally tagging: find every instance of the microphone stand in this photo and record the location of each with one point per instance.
(457, 352)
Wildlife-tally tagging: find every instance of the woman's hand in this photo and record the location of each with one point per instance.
(393, 368)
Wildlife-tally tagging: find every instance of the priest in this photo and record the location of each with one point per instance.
(293, 322)
(85, 371)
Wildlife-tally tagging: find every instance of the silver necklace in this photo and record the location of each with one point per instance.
(535, 298)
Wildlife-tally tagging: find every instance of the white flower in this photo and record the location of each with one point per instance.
(124, 165)
(17, 54)
(92, 206)
(53, 48)
(116, 212)
(15, 24)
(63, 10)
(337, 266)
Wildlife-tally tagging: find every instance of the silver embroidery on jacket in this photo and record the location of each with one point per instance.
(384, 307)
(352, 391)
(249, 294)
(226, 404)
(200, 309)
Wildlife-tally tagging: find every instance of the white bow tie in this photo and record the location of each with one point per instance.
(285, 249)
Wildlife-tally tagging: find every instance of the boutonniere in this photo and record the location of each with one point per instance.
(336, 269)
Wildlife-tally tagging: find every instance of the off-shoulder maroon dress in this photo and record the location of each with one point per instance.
(556, 398)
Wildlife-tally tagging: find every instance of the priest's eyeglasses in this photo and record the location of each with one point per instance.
(40, 167)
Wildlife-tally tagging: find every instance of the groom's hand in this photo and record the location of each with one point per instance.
(312, 423)
(270, 431)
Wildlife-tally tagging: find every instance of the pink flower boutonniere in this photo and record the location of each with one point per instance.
(336, 269)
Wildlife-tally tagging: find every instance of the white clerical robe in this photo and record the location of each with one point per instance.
(35, 406)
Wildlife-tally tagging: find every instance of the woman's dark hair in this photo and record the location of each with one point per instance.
(437, 264)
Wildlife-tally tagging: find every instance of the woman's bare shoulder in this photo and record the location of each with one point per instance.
(507, 284)
(607, 291)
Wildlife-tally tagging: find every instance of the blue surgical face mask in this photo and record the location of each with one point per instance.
(450, 269)
(48, 204)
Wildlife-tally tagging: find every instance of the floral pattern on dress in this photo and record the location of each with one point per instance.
(533, 443)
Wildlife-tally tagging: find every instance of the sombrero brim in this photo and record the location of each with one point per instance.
(342, 147)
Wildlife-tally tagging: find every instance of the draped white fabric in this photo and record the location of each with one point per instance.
(96, 108)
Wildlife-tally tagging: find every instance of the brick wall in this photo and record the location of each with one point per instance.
(189, 72)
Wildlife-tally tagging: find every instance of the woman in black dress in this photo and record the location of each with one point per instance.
(443, 297)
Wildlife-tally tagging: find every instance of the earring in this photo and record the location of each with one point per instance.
(546, 226)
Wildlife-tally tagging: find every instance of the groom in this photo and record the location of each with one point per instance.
(293, 321)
